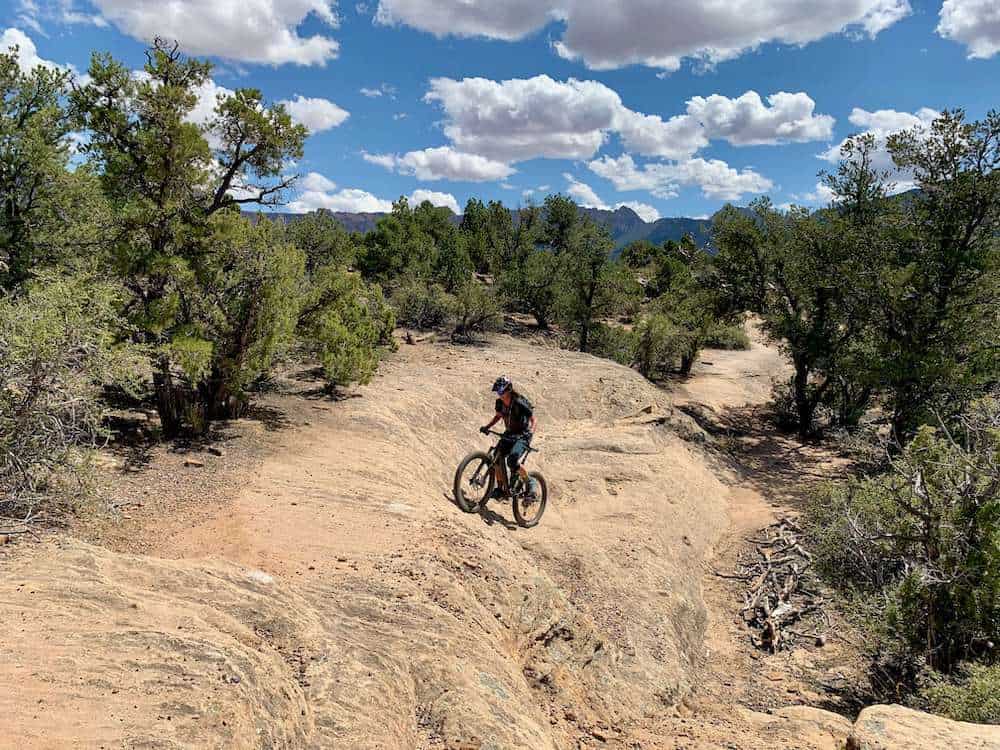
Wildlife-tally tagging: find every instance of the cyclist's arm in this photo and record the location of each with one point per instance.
(496, 418)
(531, 424)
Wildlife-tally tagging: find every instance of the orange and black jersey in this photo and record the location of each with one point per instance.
(516, 417)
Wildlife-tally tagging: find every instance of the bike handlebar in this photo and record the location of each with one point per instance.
(494, 433)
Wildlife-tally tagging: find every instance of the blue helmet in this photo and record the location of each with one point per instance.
(501, 385)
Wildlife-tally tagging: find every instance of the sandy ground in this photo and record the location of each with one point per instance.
(326, 592)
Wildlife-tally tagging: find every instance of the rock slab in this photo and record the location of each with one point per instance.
(899, 728)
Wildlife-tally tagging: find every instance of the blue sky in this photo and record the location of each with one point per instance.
(656, 104)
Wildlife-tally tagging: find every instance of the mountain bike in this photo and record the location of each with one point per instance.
(476, 477)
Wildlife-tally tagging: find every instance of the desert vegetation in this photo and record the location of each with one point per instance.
(887, 306)
(126, 263)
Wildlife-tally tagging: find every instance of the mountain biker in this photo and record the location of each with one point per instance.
(519, 423)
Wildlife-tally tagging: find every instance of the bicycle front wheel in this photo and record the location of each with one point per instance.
(473, 482)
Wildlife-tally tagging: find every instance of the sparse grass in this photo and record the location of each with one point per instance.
(974, 695)
(728, 337)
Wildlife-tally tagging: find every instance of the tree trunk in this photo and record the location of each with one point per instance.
(687, 362)
(804, 406)
(176, 404)
(185, 409)
(902, 427)
(852, 404)
(218, 400)
(584, 336)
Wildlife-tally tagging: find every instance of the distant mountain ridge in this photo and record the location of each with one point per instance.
(624, 224)
(627, 226)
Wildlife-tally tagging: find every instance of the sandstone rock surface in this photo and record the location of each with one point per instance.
(899, 728)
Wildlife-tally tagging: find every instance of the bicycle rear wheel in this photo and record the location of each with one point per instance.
(473, 482)
(527, 510)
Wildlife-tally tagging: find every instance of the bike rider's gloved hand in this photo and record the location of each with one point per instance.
(484, 430)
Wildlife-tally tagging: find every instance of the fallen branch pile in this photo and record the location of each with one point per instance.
(779, 591)
(13, 526)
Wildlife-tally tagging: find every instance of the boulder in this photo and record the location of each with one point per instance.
(899, 728)
(823, 724)
(799, 727)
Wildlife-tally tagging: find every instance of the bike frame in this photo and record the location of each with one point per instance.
(494, 454)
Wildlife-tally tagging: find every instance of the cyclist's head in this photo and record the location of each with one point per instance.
(502, 385)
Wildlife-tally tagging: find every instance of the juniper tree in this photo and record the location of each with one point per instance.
(46, 211)
(177, 241)
(940, 288)
(592, 286)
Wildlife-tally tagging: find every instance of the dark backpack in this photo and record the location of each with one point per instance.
(520, 414)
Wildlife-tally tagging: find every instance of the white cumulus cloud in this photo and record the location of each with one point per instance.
(676, 138)
(585, 195)
(509, 20)
(319, 192)
(525, 118)
(881, 124)
(317, 114)
(256, 31)
(209, 94)
(317, 183)
(822, 195)
(32, 14)
(582, 193)
(746, 120)
(974, 23)
(528, 118)
(891, 121)
(351, 200)
(718, 180)
(714, 177)
(443, 163)
(656, 33)
(27, 53)
(383, 89)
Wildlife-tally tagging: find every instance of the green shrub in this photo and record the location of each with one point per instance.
(383, 315)
(614, 343)
(422, 306)
(530, 284)
(640, 254)
(834, 513)
(58, 346)
(727, 337)
(323, 239)
(228, 316)
(453, 268)
(476, 311)
(344, 324)
(660, 343)
(973, 694)
(923, 539)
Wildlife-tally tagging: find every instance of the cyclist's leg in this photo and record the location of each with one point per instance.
(515, 459)
(504, 449)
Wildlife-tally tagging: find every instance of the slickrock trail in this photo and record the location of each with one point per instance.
(339, 599)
